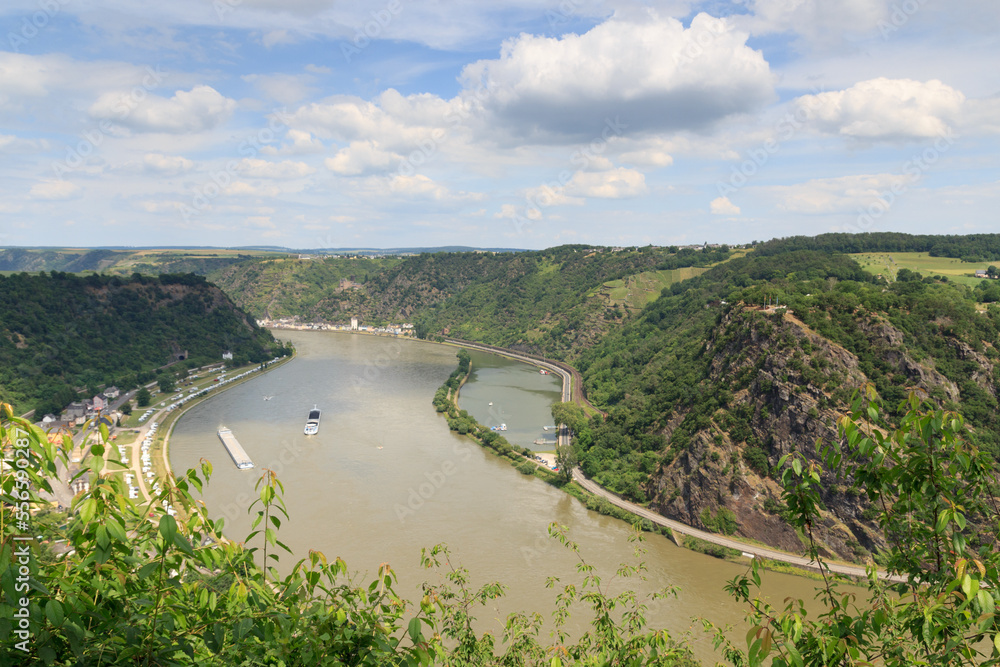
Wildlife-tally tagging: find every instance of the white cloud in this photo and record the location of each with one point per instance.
(52, 190)
(276, 37)
(649, 157)
(820, 22)
(199, 109)
(722, 206)
(422, 187)
(152, 206)
(282, 88)
(835, 195)
(885, 109)
(612, 184)
(397, 122)
(362, 157)
(286, 169)
(166, 164)
(652, 74)
(317, 69)
(242, 188)
(300, 142)
(548, 196)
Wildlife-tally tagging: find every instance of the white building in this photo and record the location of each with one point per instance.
(354, 324)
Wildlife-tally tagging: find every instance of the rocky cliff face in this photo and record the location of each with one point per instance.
(789, 386)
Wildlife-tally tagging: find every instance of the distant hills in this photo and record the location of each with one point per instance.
(180, 259)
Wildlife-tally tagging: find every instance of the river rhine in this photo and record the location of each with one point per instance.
(384, 477)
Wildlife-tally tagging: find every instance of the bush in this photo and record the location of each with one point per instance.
(756, 458)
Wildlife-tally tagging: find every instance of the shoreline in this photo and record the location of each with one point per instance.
(165, 446)
(802, 566)
(578, 481)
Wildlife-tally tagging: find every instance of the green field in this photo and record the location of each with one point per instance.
(637, 290)
(888, 263)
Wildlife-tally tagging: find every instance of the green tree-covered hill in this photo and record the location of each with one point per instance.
(544, 301)
(707, 390)
(60, 333)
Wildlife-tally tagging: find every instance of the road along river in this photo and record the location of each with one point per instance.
(384, 477)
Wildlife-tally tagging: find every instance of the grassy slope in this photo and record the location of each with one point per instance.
(888, 263)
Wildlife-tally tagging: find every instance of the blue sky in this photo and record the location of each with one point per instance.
(321, 123)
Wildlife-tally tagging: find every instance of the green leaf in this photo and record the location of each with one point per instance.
(414, 631)
(168, 528)
(115, 529)
(942, 521)
(147, 569)
(102, 536)
(88, 509)
(54, 612)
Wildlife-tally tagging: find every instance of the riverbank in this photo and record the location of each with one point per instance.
(603, 501)
(161, 448)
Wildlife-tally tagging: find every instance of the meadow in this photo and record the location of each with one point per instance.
(888, 263)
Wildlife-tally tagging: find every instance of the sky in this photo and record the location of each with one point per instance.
(400, 123)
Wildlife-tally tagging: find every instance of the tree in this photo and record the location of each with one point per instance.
(126, 408)
(570, 414)
(566, 459)
(935, 602)
(143, 397)
(992, 271)
(166, 383)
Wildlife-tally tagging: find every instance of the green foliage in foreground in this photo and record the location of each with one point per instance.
(937, 606)
(141, 587)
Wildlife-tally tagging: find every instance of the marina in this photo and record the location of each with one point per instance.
(235, 449)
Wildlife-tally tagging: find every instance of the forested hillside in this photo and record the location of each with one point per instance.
(707, 390)
(125, 262)
(60, 333)
(310, 289)
(543, 301)
(970, 248)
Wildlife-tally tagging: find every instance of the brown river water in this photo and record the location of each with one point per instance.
(384, 477)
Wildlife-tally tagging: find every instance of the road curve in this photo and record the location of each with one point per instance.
(676, 526)
(567, 374)
(757, 551)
